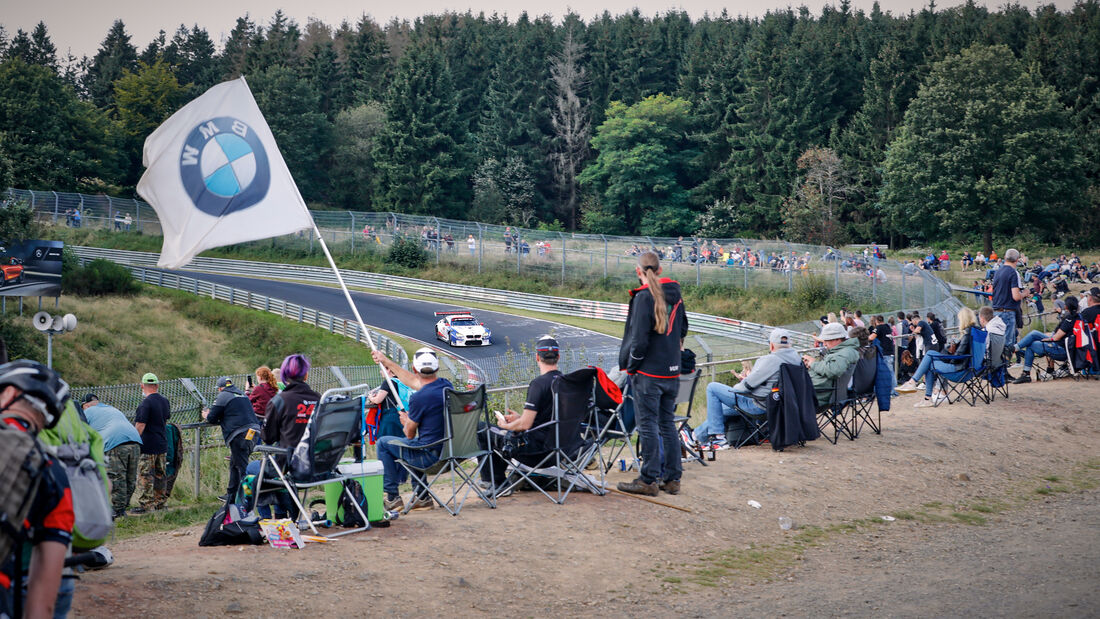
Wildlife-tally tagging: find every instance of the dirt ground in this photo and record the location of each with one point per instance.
(995, 513)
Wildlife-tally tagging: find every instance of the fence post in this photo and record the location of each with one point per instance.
(698, 273)
(195, 462)
(903, 306)
(311, 240)
(604, 256)
(562, 258)
(354, 231)
(231, 291)
(836, 279)
(137, 209)
(438, 239)
(480, 246)
(745, 271)
(874, 278)
(110, 211)
(519, 254)
(54, 205)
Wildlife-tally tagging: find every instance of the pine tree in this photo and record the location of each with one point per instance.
(237, 46)
(42, 50)
(275, 47)
(421, 163)
(116, 54)
(369, 66)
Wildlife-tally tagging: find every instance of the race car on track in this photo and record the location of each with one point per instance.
(12, 271)
(461, 329)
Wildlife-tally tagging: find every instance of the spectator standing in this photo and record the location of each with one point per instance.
(240, 429)
(151, 421)
(265, 389)
(882, 334)
(32, 398)
(656, 324)
(423, 424)
(1007, 294)
(121, 445)
(471, 243)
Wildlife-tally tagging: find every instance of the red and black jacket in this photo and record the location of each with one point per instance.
(644, 350)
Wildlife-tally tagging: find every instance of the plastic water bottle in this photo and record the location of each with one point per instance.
(785, 523)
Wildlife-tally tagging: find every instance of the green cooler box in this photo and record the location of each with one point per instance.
(369, 475)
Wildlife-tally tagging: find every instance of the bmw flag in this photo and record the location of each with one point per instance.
(215, 177)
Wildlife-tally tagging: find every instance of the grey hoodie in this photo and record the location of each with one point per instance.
(765, 373)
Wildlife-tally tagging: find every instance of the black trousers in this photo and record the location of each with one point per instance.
(495, 468)
(240, 448)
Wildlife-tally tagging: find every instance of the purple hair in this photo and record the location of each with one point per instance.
(294, 367)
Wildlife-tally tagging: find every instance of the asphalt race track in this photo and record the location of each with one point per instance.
(415, 319)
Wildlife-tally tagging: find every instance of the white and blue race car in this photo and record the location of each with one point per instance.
(461, 329)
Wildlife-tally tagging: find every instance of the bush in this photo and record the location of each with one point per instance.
(812, 291)
(407, 253)
(98, 277)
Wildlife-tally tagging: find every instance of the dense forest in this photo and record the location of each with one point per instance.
(843, 126)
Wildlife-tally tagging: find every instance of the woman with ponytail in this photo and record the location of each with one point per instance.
(656, 324)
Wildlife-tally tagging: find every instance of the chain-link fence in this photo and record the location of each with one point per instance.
(562, 256)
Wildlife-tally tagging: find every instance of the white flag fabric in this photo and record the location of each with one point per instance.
(215, 177)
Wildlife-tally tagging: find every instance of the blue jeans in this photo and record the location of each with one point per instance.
(930, 360)
(655, 406)
(1009, 319)
(1033, 346)
(390, 448)
(721, 400)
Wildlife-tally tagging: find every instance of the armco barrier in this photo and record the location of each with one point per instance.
(703, 323)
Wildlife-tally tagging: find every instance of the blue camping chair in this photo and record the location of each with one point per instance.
(966, 383)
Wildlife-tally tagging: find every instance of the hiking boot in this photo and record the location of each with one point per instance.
(1024, 378)
(639, 486)
(671, 486)
(395, 504)
(139, 510)
(420, 503)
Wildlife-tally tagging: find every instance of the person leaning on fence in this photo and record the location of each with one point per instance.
(932, 360)
(512, 434)
(240, 430)
(755, 385)
(122, 447)
(265, 389)
(151, 422)
(656, 324)
(32, 398)
(840, 354)
(423, 424)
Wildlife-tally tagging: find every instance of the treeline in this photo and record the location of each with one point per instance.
(843, 126)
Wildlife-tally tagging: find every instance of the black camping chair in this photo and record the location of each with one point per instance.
(831, 417)
(459, 444)
(995, 373)
(756, 425)
(569, 451)
(863, 398)
(613, 429)
(686, 395)
(337, 421)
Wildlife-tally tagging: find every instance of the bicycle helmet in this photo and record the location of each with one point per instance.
(42, 387)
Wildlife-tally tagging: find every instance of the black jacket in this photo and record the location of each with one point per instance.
(233, 411)
(644, 350)
(792, 408)
(288, 412)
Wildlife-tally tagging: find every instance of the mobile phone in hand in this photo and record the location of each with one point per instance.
(248, 381)
(500, 417)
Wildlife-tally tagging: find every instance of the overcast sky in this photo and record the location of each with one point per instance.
(80, 26)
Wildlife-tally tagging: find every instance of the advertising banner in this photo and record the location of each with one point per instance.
(30, 268)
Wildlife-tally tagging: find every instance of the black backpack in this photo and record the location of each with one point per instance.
(346, 515)
(227, 528)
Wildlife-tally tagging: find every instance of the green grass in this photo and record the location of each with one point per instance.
(165, 520)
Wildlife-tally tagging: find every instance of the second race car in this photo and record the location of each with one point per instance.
(461, 329)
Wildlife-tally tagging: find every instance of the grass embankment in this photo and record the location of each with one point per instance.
(178, 334)
(810, 300)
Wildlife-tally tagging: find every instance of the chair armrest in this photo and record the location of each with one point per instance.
(423, 447)
(953, 358)
(540, 426)
(273, 449)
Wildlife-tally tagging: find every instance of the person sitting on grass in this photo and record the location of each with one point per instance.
(755, 385)
(423, 424)
(1039, 344)
(932, 360)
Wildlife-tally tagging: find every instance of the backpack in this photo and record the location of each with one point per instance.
(228, 527)
(345, 515)
(174, 457)
(22, 464)
(79, 449)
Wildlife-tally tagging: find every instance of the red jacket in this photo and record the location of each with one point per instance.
(260, 396)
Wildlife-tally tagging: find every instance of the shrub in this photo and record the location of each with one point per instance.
(812, 291)
(99, 277)
(407, 253)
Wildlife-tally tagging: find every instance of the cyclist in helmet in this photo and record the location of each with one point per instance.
(32, 398)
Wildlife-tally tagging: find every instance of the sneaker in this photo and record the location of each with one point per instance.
(1024, 378)
(118, 514)
(1061, 373)
(1009, 377)
(1043, 376)
(484, 485)
(638, 486)
(924, 403)
(938, 398)
(139, 510)
(671, 486)
(395, 504)
(910, 386)
(688, 439)
(502, 491)
(420, 503)
(719, 444)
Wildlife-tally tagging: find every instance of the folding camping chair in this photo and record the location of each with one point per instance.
(564, 461)
(1081, 360)
(756, 426)
(686, 395)
(833, 415)
(996, 368)
(335, 423)
(613, 429)
(964, 384)
(459, 443)
(863, 396)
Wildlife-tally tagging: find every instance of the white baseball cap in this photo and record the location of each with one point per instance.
(425, 361)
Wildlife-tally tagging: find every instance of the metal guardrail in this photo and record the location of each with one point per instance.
(603, 310)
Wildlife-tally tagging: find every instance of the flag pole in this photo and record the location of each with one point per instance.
(354, 309)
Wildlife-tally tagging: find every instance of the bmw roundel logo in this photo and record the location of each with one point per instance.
(224, 166)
